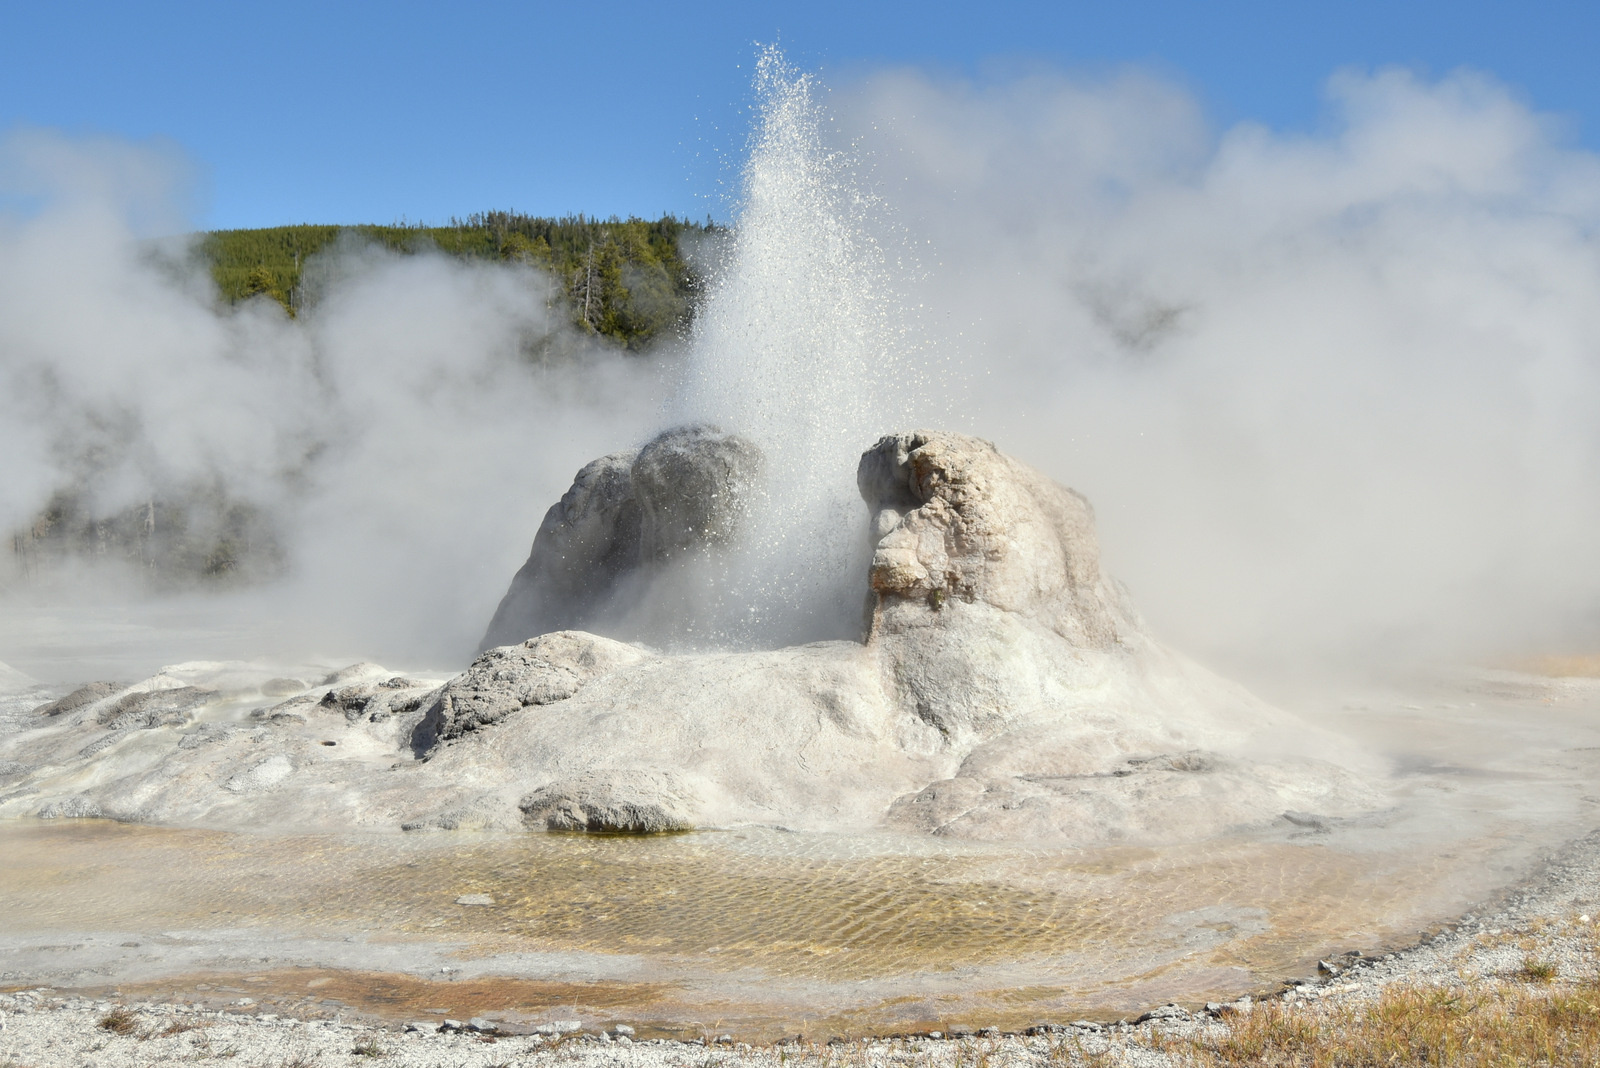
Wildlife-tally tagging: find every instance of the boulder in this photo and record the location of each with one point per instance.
(626, 803)
(540, 671)
(958, 522)
(692, 486)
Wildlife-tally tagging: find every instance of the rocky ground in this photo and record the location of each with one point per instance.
(1538, 941)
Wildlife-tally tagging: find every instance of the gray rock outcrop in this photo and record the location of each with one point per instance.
(154, 708)
(83, 695)
(540, 671)
(987, 596)
(958, 522)
(625, 803)
(625, 520)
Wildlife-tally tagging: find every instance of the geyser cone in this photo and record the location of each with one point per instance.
(1007, 690)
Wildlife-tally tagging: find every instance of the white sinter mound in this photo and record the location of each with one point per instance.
(1004, 688)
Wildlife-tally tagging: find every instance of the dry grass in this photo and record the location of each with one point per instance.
(1466, 1027)
(119, 1021)
(175, 1027)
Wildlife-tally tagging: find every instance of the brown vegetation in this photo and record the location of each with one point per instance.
(119, 1021)
(1486, 1024)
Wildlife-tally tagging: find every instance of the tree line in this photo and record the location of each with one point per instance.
(632, 281)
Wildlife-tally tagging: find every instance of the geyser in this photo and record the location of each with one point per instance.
(645, 672)
(1005, 688)
(801, 348)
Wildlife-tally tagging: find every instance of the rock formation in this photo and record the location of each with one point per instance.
(628, 518)
(1005, 688)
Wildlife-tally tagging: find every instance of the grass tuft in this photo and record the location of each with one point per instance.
(174, 1027)
(119, 1021)
(1535, 970)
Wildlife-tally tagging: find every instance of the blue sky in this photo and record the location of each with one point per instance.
(352, 112)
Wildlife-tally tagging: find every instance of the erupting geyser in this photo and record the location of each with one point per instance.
(710, 631)
(802, 350)
(1004, 688)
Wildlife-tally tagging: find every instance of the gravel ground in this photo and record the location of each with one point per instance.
(1547, 918)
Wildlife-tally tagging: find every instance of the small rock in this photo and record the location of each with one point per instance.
(1168, 1011)
(354, 671)
(482, 1026)
(451, 1025)
(474, 899)
(559, 1027)
(622, 1029)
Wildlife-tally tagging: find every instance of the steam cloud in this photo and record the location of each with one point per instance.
(397, 431)
(1332, 395)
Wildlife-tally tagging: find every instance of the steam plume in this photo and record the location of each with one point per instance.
(1331, 394)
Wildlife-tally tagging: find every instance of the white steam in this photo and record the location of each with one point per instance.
(1331, 395)
(398, 432)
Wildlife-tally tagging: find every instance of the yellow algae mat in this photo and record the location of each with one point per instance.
(759, 930)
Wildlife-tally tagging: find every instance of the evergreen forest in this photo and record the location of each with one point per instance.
(631, 281)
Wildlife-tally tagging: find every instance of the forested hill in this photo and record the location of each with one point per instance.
(632, 281)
